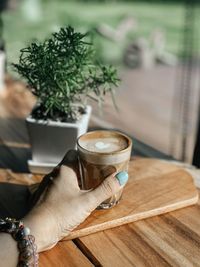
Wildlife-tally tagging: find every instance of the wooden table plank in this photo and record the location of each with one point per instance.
(120, 247)
(174, 243)
(160, 241)
(9, 176)
(64, 254)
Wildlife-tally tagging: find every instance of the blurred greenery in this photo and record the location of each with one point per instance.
(37, 19)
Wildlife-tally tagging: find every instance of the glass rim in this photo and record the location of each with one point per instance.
(130, 143)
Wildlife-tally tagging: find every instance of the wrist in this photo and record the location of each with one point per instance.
(28, 255)
(43, 227)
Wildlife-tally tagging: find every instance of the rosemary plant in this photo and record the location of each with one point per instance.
(63, 74)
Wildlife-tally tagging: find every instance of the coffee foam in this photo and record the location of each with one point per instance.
(104, 144)
(104, 147)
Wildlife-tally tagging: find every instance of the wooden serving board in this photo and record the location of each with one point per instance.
(154, 187)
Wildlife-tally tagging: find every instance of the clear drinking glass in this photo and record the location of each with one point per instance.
(98, 162)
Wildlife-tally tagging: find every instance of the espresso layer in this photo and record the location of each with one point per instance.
(93, 175)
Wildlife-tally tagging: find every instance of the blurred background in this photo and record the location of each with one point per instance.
(155, 47)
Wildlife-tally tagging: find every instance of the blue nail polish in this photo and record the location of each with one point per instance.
(122, 177)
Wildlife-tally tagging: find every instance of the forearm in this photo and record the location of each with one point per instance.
(41, 224)
(8, 250)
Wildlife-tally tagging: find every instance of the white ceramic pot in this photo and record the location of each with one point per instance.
(51, 140)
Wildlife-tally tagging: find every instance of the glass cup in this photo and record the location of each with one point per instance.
(100, 154)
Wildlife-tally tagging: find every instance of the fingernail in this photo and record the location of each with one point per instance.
(122, 177)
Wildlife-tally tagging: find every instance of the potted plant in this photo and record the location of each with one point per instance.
(63, 74)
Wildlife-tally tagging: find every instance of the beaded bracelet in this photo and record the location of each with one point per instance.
(28, 256)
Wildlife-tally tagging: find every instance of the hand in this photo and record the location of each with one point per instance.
(63, 206)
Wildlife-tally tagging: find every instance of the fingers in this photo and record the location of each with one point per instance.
(71, 160)
(45, 183)
(68, 179)
(110, 186)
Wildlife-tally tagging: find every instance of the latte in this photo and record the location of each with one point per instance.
(101, 153)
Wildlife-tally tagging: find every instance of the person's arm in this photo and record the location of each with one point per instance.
(8, 251)
(62, 208)
(41, 224)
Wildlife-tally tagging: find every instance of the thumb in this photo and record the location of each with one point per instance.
(110, 186)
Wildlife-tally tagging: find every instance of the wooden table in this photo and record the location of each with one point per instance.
(172, 239)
